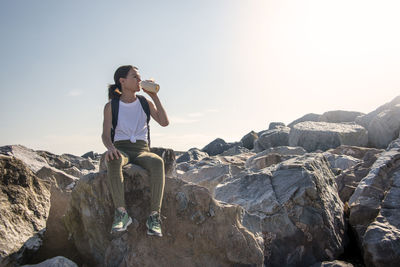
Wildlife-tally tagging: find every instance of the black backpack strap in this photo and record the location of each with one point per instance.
(114, 111)
(146, 108)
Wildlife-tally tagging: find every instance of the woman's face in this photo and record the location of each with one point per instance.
(132, 81)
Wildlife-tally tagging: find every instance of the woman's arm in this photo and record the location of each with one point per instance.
(157, 112)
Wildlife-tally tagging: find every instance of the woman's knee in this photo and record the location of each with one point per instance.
(113, 163)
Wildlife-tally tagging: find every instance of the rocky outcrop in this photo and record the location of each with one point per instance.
(383, 124)
(314, 136)
(198, 231)
(24, 210)
(375, 209)
(291, 205)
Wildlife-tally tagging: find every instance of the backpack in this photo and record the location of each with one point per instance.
(115, 110)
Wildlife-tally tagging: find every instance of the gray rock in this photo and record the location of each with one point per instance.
(216, 147)
(375, 209)
(216, 236)
(235, 151)
(79, 162)
(276, 125)
(292, 205)
(348, 179)
(272, 138)
(307, 117)
(323, 135)
(338, 116)
(192, 154)
(342, 162)
(58, 261)
(249, 139)
(383, 124)
(91, 155)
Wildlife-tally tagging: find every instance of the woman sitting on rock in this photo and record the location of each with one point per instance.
(129, 142)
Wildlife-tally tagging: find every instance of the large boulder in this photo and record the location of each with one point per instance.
(375, 209)
(272, 138)
(291, 205)
(218, 146)
(383, 124)
(314, 136)
(197, 230)
(25, 204)
(337, 116)
(249, 139)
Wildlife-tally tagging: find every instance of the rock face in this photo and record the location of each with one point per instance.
(272, 138)
(383, 124)
(375, 209)
(292, 205)
(337, 116)
(314, 136)
(25, 207)
(197, 230)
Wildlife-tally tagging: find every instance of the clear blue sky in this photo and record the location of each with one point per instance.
(225, 67)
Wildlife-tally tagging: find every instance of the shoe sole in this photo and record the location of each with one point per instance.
(149, 232)
(124, 228)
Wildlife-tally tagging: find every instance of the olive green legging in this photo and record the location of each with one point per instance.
(137, 153)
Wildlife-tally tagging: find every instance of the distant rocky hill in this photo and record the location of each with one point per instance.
(321, 191)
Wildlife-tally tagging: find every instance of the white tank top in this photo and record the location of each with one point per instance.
(132, 122)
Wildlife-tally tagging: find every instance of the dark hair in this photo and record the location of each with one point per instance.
(115, 90)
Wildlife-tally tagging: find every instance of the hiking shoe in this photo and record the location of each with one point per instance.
(154, 224)
(121, 221)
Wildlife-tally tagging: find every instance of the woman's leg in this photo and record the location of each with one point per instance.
(154, 164)
(116, 179)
